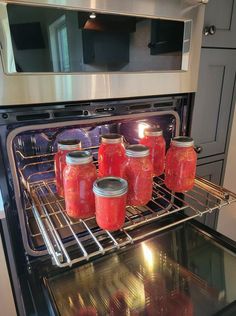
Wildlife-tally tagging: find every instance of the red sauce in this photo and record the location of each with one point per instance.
(180, 168)
(78, 185)
(64, 147)
(157, 147)
(111, 156)
(110, 204)
(138, 171)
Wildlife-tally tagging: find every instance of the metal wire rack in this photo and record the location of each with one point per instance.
(69, 241)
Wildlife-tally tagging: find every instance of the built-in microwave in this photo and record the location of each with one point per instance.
(83, 50)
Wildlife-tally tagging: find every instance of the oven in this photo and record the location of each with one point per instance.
(64, 266)
(163, 261)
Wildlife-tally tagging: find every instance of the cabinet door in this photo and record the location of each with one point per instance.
(212, 172)
(213, 100)
(222, 15)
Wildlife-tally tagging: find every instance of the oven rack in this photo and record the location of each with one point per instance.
(69, 241)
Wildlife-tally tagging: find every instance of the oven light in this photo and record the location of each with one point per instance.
(141, 128)
(92, 15)
(148, 256)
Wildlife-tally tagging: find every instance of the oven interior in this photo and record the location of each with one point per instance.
(45, 226)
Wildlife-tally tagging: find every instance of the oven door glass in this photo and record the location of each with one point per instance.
(181, 272)
(58, 40)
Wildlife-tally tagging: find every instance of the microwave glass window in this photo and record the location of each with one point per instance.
(56, 40)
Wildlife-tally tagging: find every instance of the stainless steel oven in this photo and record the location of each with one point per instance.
(83, 50)
(79, 69)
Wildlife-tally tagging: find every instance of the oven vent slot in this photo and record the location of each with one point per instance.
(105, 110)
(69, 113)
(140, 106)
(164, 104)
(72, 106)
(30, 117)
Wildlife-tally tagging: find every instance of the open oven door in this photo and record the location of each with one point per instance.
(183, 271)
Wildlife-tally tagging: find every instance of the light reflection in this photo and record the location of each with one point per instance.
(141, 128)
(81, 301)
(92, 15)
(71, 304)
(148, 256)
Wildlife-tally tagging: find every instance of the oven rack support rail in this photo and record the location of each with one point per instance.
(69, 241)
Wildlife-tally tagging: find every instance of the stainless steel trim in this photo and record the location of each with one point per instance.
(15, 179)
(33, 88)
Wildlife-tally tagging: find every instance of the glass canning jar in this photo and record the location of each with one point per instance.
(181, 160)
(79, 176)
(110, 201)
(154, 140)
(111, 155)
(138, 171)
(64, 147)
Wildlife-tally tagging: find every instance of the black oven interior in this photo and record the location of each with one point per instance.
(33, 154)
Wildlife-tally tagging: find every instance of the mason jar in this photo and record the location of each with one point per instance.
(181, 160)
(138, 171)
(110, 201)
(79, 176)
(111, 155)
(154, 140)
(64, 147)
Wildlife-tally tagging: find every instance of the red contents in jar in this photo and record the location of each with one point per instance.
(138, 171)
(110, 202)
(181, 162)
(179, 305)
(79, 176)
(111, 155)
(64, 147)
(155, 141)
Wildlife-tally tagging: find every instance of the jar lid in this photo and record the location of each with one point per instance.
(69, 144)
(137, 151)
(79, 157)
(111, 138)
(110, 187)
(182, 141)
(153, 131)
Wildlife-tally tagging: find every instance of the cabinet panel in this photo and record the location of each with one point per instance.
(213, 100)
(221, 14)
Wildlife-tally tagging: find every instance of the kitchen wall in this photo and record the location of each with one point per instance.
(227, 216)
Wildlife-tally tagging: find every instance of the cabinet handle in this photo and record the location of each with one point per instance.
(198, 149)
(209, 30)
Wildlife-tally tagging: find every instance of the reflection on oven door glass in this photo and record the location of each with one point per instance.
(182, 272)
